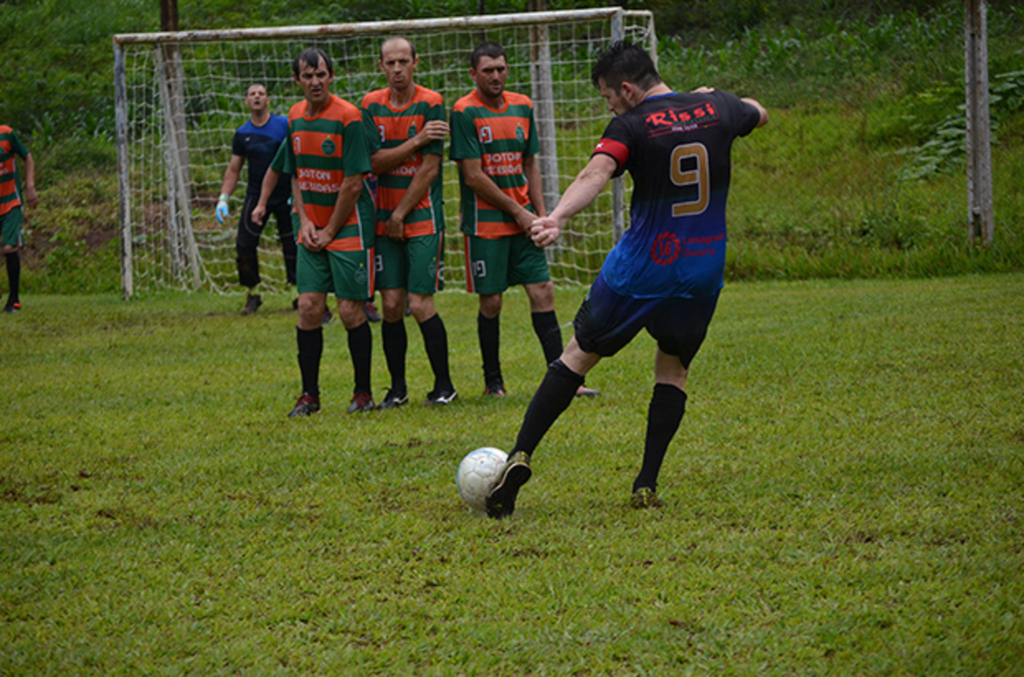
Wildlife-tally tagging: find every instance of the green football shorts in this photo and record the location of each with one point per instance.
(10, 225)
(349, 275)
(416, 265)
(492, 266)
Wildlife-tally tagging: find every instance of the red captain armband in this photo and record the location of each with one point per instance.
(615, 149)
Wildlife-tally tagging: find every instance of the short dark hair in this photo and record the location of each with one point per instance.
(489, 49)
(311, 57)
(412, 47)
(625, 62)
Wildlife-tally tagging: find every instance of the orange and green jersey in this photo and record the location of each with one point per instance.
(389, 127)
(500, 139)
(322, 151)
(10, 146)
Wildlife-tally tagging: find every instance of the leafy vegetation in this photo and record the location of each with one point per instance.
(859, 174)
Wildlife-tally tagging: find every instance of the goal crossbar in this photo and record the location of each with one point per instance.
(378, 27)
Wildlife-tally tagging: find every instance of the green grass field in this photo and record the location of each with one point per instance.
(845, 496)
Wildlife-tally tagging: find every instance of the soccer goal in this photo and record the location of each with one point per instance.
(179, 102)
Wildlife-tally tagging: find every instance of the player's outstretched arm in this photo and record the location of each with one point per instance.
(761, 109)
(577, 197)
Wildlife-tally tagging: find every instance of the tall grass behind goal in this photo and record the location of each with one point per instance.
(179, 102)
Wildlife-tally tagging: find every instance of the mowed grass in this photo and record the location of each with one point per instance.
(845, 496)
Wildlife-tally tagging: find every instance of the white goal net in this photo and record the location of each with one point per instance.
(179, 102)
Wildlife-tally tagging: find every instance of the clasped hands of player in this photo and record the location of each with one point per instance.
(544, 231)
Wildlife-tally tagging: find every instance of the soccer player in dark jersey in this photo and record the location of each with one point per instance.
(11, 208)
(257, 141)
(494, 142)
(328, 157)
(406, 127)
(665, 274)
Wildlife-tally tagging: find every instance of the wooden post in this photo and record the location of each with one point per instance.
(169, 16)
(980, 217)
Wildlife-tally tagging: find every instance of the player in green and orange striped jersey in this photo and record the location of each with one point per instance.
(406, 125)
(11, 208)
(328, 159)
(494, 142)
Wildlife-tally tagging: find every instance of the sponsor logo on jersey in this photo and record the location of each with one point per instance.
(328, 147)
(317, 180)
(665, 249)
(509, 163)
(684, 119)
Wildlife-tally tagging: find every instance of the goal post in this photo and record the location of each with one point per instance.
(178, 102)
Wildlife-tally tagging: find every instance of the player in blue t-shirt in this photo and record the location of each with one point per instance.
(666, 272)
(257, 141)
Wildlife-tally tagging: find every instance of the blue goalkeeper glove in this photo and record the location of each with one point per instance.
(222, 208)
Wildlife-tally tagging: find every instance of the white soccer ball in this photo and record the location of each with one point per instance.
(477, 474)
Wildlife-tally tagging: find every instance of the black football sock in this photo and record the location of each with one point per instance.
(360, 347)
(668, 404)
(396, 343)
(435, 340)
(311, 348)
(545, 325)
(489, 332)
(553, 396)
(13, 276)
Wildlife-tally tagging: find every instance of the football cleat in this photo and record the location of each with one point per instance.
(584, 391)
(645, 498)
(501, 502)
(371, 312)
(495, 389)
(441, 397)
(306, 405)
(393, 398)
(252, 304)
(326, 318)
(12, 307)
(361, 402)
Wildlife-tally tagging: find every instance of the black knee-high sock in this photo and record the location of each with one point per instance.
(489, 332)
(435, 340)
(553, 396)
(668, 404)
(360, 347)
(545, 325)
(311, 348)
(396, 343)
(13, 276)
